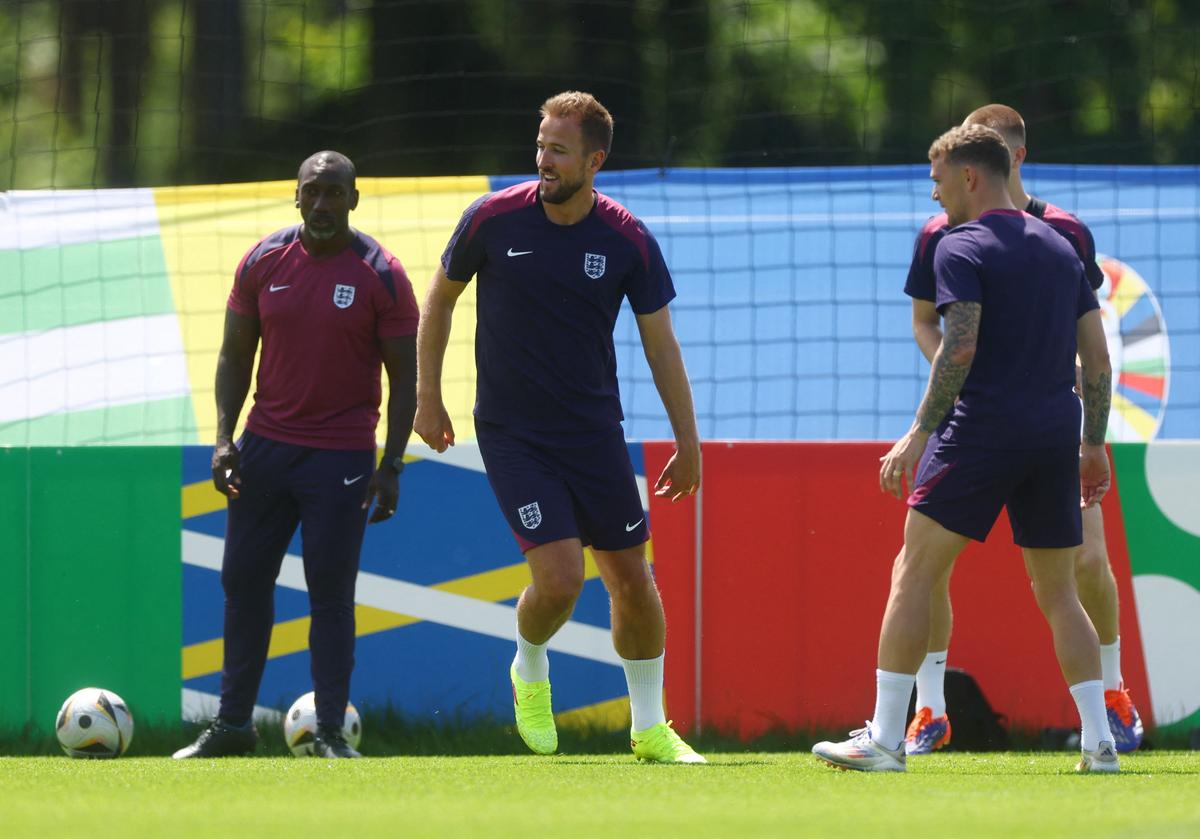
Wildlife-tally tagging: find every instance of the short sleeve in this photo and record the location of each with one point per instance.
(243, 297)
(1091, 268)
(650, 286)
(399, 315)
(464, 254)
(1086, 297)
(956, 266)
(921, 284)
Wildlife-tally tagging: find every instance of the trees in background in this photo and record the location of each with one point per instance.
(122, 92)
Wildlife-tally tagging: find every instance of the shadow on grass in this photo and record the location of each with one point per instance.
(387, 732)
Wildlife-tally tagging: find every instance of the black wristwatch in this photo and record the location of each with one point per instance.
(397, 463)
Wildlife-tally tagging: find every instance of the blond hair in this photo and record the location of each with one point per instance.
(974, 145)
(594, 119)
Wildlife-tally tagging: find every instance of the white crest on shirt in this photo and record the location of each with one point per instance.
(343, 295)
(593, 265)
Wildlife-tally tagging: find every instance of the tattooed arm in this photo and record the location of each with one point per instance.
(1096, 378)
(1096, 387)
(951, 363)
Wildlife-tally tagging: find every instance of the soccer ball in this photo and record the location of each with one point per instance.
(94, 722)
(300, 725)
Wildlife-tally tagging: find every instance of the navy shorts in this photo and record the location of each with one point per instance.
(963, 488)
(552, 490)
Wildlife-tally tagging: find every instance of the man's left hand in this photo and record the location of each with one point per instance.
(384, 488)
(901, 462)
(680, 478)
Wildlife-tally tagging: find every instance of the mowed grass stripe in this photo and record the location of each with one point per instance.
(752, 794)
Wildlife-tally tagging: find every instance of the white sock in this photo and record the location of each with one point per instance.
(892, 692)
(532, 663)
(1110, 664)
(645, 679)
(931, 684)
(1089, 699)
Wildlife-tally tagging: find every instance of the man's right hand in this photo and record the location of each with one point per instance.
(226, 474)
(1095, 475)
(433, 425)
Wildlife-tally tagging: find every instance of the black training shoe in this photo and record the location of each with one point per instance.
(221, 739)
(331, 742)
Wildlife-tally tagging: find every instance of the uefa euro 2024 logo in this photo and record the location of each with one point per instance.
(1139, 349)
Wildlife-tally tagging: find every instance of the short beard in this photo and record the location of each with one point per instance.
(563, 194)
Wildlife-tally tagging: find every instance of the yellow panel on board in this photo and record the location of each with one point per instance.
(207, 229)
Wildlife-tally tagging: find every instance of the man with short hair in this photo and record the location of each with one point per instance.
(930, 727)
(331, 306)
(1017, 308)
(554, 260)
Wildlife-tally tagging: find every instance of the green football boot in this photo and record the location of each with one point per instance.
(660, 744)
(535, 719)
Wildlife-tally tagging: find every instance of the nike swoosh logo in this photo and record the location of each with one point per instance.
(943, 661)
(511, 252)
(629, 527)
(279, 287)
(348, 481)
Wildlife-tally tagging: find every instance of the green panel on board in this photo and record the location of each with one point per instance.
(106, 577)
(14, 566)
(87, 282)
(162, 421)
(1156, 544)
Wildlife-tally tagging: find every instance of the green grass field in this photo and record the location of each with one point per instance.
(754, 794)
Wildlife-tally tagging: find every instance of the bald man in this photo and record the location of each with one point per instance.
(331, 307)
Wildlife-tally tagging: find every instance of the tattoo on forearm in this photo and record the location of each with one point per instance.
(1097, 399)
(947, 375)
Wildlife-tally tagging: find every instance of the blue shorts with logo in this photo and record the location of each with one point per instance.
(581, 486)
(963, 488)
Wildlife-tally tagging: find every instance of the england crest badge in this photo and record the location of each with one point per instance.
(531, 515)
(593, 265)
(343, 295)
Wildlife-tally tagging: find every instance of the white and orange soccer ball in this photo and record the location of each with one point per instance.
(94, 722)
(300, 724)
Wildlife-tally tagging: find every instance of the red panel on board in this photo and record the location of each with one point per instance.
(1133, 659)
(797, 549)
(797, 546)
(673, 529)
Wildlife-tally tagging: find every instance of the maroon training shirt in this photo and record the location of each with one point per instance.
(321, 321)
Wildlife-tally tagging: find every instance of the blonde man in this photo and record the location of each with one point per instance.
(930, 727)
(1005, 373)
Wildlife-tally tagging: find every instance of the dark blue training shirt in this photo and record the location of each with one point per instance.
(922, 286)
(1031, 285)
(548, 300)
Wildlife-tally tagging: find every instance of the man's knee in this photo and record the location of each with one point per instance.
(632, 581)
(244, 581)
(916, 572)
(1091, 563)
(1054, 594)
(559, 586)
